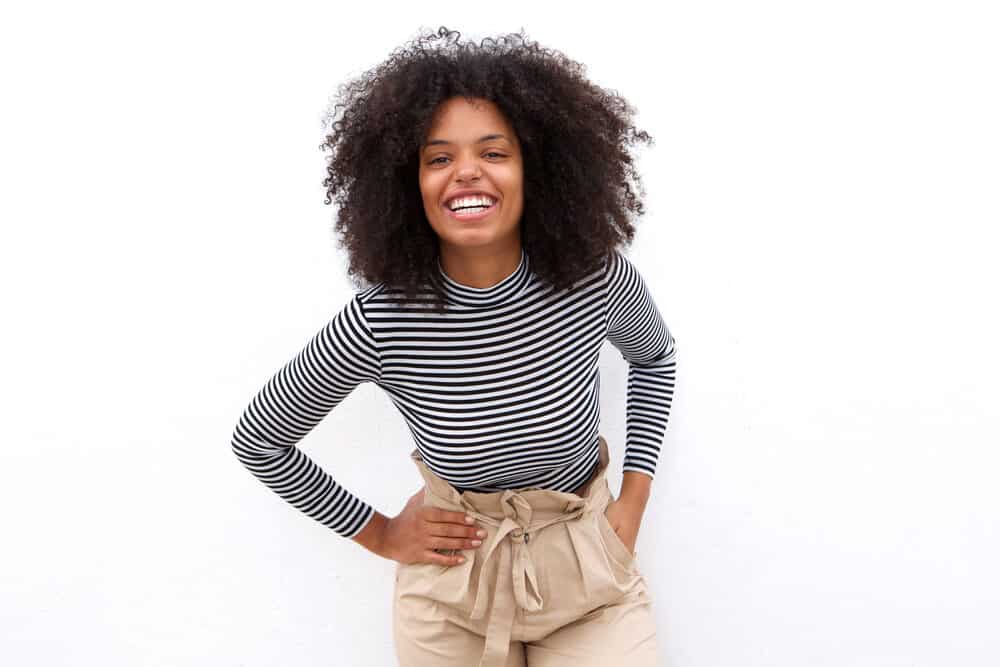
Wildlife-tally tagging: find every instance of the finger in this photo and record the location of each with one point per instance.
(447, 516)
(452, 543)
(451, 530)
(443, 559)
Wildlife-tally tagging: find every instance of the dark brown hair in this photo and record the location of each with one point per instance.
(580, 182)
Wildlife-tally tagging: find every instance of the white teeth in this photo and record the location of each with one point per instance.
(467, 211)
(478, 200)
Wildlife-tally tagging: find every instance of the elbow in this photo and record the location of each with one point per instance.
(664, 357)
(244, 446)
(238, 449)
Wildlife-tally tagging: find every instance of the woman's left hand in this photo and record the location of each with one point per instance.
(625, 518)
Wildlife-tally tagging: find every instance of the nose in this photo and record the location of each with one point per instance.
(468, 169)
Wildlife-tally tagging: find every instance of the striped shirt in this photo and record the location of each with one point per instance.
(500, 392)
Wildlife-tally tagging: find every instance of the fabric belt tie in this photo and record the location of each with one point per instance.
(516, 570)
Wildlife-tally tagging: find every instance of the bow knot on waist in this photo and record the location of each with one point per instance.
(515, 572)
(515, 565)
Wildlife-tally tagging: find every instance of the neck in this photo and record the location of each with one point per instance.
(480, 269)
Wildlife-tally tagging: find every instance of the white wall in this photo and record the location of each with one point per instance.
(821, 237)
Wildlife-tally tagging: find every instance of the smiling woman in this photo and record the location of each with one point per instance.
(493, 184)
(472, 184)
(423, 125)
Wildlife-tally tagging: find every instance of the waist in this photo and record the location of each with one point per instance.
(493, 503)
(581, 487)
(536, 504)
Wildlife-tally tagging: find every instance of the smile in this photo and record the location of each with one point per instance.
(471, 214)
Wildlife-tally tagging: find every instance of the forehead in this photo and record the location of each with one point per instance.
(458, 116)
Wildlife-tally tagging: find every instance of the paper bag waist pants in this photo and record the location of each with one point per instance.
(552, 584)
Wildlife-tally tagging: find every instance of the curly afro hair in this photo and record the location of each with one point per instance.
(575, 140)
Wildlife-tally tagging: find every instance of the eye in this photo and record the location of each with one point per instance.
(489, 153)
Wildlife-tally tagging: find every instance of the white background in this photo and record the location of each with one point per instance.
(821, 238)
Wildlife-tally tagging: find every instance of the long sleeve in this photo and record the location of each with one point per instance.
(637, 330)
(337, 359)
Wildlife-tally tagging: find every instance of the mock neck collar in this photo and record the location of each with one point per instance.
(505, 290)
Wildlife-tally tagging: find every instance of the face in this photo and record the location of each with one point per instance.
(471, 146)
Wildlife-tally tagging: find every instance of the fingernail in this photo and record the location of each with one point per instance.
(481, 533)
(469, 519)
(461, 559)
(476, 543)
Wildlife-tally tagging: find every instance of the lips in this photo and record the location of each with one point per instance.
(466, 217)
(458, 194)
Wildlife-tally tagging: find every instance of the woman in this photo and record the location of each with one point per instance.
(483, 192)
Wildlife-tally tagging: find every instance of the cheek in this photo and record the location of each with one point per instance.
(517, 177)
(515, 190)
(512, 180)
(428, 191)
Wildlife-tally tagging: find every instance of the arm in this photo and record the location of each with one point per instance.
(637, 330)
(337, 359)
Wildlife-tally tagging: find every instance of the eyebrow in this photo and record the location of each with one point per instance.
(484, 138)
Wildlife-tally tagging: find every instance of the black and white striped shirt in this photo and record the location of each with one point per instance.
(500, 392)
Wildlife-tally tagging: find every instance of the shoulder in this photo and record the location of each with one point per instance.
(351, 315)
(619, 271)
(362, 298)
(368, 294)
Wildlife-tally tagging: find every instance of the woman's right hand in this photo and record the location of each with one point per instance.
(413, 535)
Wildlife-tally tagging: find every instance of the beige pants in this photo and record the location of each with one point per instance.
(552, 584)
